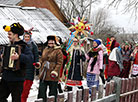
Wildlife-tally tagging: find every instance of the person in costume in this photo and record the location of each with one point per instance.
(126, 52)
(106, 56)
(134, 62)
(95, 65)
(75, 72)
(29, 76)
(115, 61)
(12, 80)
(60, 43)
(52, 60)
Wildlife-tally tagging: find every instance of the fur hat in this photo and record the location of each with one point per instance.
(51, 37)
(16, 28)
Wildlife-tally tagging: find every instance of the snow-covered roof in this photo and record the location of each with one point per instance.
(43, 21)
(10, 2)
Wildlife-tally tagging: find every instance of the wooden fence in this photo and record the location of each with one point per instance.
(118, 90)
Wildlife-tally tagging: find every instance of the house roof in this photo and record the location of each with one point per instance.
(43, 21)
(10, 2)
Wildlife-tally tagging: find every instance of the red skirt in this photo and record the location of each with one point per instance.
(73, 83)
(113, 69)
(125, 71)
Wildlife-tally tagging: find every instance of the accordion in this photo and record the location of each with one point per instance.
(7, 63)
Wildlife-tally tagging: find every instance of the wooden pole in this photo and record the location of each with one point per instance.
(117, 87)
(122, 89)
(107, 89)
(39, 100)
(93, 93)
(136, 97)
(100, 91)
(134, 87)
(86, 95)
(70, 97)
(51, 99)
(127, 88)
(60, 97)
(79, 95)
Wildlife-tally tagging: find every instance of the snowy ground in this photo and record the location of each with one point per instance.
(34, 91)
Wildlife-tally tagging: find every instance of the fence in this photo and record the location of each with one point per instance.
(118, 90)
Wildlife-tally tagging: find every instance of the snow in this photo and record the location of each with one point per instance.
(34, 90)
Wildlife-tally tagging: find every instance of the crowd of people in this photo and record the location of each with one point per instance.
(57, 64)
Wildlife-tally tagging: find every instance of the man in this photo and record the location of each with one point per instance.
(74, 76)
(12, 80)
(52, 60)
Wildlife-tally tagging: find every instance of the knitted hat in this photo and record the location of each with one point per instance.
(97, 41)
(16, 28)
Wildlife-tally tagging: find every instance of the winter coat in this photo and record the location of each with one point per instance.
(26, 59)
(126, 54)
(30, 69)
(75, 71)
(52, 60)
(115, 61)
(99, 63)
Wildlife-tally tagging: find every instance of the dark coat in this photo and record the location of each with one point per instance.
(75, 68)
(26, 58)
(30, 69)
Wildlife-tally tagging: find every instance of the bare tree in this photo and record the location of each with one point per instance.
(74, 8)
(129, 5)
(102, 27)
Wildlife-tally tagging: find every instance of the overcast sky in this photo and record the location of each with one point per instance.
(122, 20)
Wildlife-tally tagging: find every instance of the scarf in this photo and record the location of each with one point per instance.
(93, 53)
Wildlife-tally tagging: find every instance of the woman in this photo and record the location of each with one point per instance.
(126, 52)
(134, 57)
(115, 61)
(95, 58)
(29, 76)
(60, 43)
(52, 59)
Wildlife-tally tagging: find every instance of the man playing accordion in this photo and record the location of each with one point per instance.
(16, 57)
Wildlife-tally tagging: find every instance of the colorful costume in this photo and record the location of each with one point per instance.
(115, 60)
(75, 70)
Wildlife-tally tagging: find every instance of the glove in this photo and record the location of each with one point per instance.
(37, 65)
(53, 75)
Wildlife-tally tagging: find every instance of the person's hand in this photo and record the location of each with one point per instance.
(15, 56)
(37, 65)
(53, 75)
